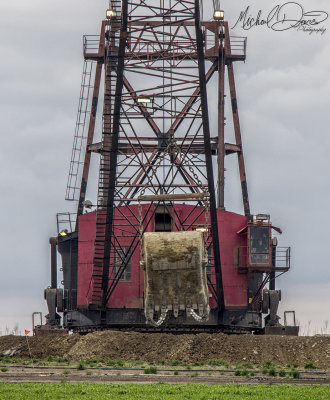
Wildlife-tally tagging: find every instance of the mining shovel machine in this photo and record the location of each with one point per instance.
(157, 250)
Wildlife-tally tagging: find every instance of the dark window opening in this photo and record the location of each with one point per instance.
(259, 245)
(163, 222)
(120, 257)
(210, 262)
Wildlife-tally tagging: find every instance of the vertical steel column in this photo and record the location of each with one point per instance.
(53, 262)
(221, 121)
(91, 127)
(208, 158)
(237, 128)
(272, 274)
(111, 184)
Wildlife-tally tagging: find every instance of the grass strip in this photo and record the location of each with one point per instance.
(45, 391)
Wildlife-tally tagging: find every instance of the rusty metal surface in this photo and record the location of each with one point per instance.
(236, 122)
(208, 156)
(221, 120)
(91, 126)
(166, 197)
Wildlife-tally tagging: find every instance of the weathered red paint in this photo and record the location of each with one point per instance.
(130, 294)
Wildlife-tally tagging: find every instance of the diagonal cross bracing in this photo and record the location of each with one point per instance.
(153, 134)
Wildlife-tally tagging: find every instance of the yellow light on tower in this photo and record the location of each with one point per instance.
(64, 233)
(111, 13)
(202, 229)
(218, 15)
(144, 99)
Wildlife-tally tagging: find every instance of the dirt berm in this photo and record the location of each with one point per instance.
(156, 347)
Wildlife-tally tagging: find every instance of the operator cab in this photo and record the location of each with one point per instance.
(260, 254)
(259, 241)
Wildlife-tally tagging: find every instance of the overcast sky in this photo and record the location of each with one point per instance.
(283, 98)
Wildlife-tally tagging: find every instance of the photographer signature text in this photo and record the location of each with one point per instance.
(290, 15)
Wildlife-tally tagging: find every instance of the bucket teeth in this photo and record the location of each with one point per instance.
(175, 276)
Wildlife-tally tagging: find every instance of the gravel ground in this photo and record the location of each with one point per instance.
(155, 347)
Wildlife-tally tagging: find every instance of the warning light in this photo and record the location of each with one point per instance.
(218, 15)
(144, 99)
(111, 13)
(202, 229)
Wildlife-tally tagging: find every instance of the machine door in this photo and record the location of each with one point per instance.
(259, 245)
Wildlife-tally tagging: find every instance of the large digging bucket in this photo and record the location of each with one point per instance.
(175, 276)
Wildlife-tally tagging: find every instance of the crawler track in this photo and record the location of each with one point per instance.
(174, 330)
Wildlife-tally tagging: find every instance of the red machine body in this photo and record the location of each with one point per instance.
(129, 291)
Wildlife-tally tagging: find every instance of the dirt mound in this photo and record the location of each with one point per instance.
(187, 348)
(40, 347)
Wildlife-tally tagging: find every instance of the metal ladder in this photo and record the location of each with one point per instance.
(109, 96)
(80, 136)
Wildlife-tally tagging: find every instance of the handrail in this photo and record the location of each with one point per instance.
(283, 259)
(148, 45)
(65, 220)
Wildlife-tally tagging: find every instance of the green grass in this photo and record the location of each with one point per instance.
(175, 363)
(282, 373)
(243, 372)
(81, 366)
(268, 364)
(296, 375)
(62, 360)
(115, 363)
(310, 365)
(63, 391)
(245, 365)
(219, 363)
(264, 370)
(199, 364)
(150, 370)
